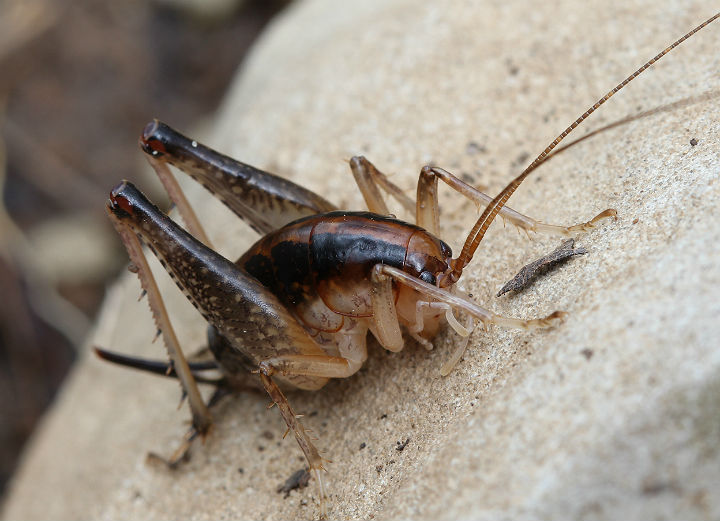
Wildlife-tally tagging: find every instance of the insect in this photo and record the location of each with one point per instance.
(295, 309)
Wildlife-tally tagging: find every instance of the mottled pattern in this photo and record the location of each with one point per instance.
(265, 201)
(310, 277)
(250, 317)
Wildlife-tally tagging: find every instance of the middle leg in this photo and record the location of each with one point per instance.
(428, 214)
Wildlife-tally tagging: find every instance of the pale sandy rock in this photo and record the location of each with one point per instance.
(55, 245)
(615, 414)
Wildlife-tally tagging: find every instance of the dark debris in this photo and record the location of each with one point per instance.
(530, 271)
(299, 479)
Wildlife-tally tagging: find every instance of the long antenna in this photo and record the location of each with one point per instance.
(478, 231)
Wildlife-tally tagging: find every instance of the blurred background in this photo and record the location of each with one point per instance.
(79, 79)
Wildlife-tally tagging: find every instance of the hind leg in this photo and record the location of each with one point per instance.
(312, 455)
(265, 201)
(201, 419)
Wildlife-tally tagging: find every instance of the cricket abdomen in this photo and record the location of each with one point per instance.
(320, 266)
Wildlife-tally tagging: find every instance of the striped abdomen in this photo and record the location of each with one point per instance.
(320, 266)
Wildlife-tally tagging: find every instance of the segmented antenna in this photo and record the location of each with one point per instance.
(478, 231)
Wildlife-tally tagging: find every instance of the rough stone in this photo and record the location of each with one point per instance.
(528, 426)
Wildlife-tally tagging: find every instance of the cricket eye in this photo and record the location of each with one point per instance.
(428, 277)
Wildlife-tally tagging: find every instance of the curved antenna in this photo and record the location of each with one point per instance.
(478, 231)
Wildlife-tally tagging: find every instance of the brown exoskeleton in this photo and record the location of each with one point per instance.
(297, 306)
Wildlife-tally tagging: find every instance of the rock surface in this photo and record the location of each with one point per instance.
(613, 414)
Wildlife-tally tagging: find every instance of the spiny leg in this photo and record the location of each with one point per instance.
(426, 207)
(181, 453)
(201, 418)
(249, 317)
(428, 213)
(223, 387)
(312, 455)
(369, 179)
(265, 201)
(314, 366)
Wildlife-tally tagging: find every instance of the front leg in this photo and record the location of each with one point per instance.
(462, 303)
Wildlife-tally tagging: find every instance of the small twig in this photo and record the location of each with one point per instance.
(525, 276)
